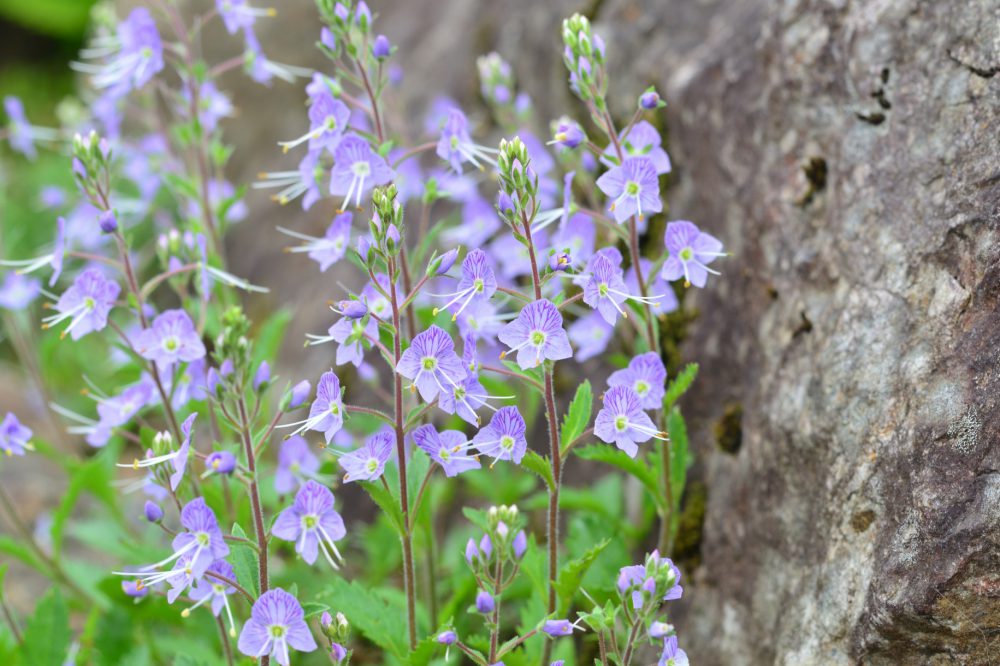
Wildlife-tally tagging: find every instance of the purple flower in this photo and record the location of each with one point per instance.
(569, 134)
(338, 652)
(646, 375)
(368, 462)
(622, 422)
(446, 449)
(557, 628)
(312, 524)
(447, 637)
(659, 629)
(327, 412)
(179, 461)
(214, 592)
(484, 602)
(640, 580)
(356, 169)
(134, 588)
(328, 118)
(18, 291)
(237, 14)
(661, 294)
(560, 261)
(20, 132)
(352, 309)
(138, 57)
(478, 283)
(276, 623)
(170, 339)
(691, 250)
(672, 655)
(381, 47)
(455, 146)
(220, 462)
(633, 188)
(152, 511)
(642, 141)
(605, 290)
(304, 180)
(513, 255)
(590, 335)
(296, 463)
(479, 222)
(107, 222)
(119, 410)
(431, 364)
(202, 541)
(14, 437)
(649, 100)
(213, 105)
(503, 438)
(536, 335)
(87, 303)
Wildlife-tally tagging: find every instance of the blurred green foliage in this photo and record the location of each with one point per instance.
(60, 18)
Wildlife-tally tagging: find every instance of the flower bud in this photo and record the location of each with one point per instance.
(519, 545)
(484, 602)
(649, 100)
(444, 263)
(557, 628)
(471, 551)
(263, 375)
(381, 48)
(152, 511)
(298, 394)
(338, 652)
(108, 222)
(392, 238)
(447, 637)
(660, 629)
(569, 134)
(327, 39)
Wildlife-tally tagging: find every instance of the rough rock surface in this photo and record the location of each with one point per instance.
(848, 153)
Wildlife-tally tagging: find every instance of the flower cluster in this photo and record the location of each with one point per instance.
(492, 272)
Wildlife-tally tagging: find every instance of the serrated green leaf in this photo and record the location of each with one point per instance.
(245, 563)
(571, 575)
(634, 466)
(426, 649)
(680, 384)
(477, 517)
(540, 466)
(578, 416)
(47, 636)
(378, 620)
(387, 503)
(680, 457)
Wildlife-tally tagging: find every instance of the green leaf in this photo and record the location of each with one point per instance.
(387, 503)
(539, 466)
(578, 416)
(571, 575)
(680, 384)
(94, 476)
(380, 621)
(477, 517)
(426, 649)
(534, 375)
(47, 636)
(634, 466)
(314, 608)
(245, 563)
(680, 456)
(270, 335)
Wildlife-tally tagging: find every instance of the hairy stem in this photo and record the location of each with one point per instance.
(404, 501)
(556, 458)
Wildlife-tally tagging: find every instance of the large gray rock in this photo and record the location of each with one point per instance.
(848, 154)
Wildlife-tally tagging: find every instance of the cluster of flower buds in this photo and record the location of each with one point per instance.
(92, 170)
(584, 58)
(504, 542)
(386, 227)
(518, 182)
(496, 79)
(644, 586)
(232, 347)
(348, 27)
(338, 630)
